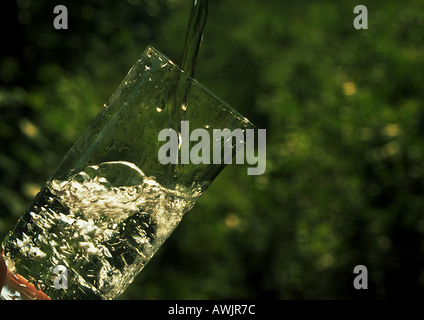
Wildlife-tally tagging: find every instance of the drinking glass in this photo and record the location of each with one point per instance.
(111, 203)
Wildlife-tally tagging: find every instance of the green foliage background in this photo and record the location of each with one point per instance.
(343, 109)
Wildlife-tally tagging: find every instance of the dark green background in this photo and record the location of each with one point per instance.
(343, 109)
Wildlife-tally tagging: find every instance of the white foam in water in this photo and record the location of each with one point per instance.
(94, 194)
(103, 224)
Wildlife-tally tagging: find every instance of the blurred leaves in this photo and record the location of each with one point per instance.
(344, 119)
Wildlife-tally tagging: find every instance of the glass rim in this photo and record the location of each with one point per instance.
(226, 105)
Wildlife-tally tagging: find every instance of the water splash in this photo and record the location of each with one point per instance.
(103, 224)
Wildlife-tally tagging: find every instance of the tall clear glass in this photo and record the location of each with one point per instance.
(111, 203)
